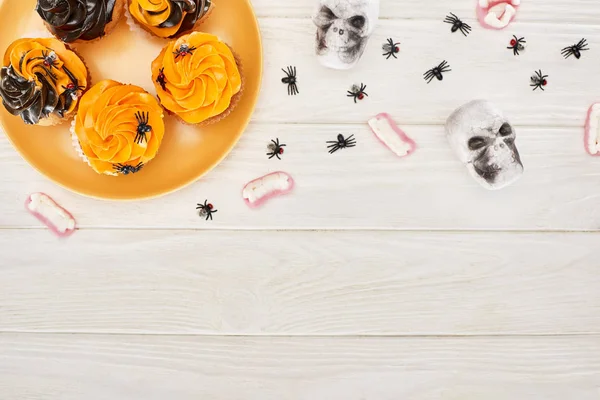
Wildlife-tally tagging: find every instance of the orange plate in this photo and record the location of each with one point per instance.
(186, 153)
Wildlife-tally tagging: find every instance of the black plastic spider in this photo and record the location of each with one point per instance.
(538, 80)
(290, 80)
(436, 72)
(183, 51)
(73, 88)
(127, 169)
(206, 209)
(341, 143)
(517, 45)
(390, 48)
(358, 92)
(276, 149)
(50, 59)
(161, 79)
(575, 50)
(143, 127)
(457, 24)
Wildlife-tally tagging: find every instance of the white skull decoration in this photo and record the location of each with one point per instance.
(343, 29)
(484, 140)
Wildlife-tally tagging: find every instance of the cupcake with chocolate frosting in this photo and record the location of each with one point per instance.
(170, 18)
(197, 78)
(80, 20)
(41, 81)
(118, 128)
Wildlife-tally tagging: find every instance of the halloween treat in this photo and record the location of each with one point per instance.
(260, 190)
(394, 138)
(197, 78)
(592, 130)
(343, 30)
(170, 18)
(46, 210)
(80, 20)
(497, 14)
(118, 128)
(41, 81)
(484, 141)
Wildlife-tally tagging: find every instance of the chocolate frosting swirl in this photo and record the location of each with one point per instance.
(22, 97)
(194, 9)
(70, 20)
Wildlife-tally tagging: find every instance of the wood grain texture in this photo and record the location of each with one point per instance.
(558, 12)
(75, 367)
(299, 283)
(482, 67)
(362, 187)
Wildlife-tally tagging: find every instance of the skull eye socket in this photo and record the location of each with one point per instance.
(505, 129)
(476, 143)
(327, 13)
(358, 21)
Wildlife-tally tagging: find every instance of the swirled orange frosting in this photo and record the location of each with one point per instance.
(41, 77)
(196, 77)
(119, 127)
(169, 18)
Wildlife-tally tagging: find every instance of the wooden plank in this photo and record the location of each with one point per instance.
(482, 67)
(299, 283)
(555, 11)
(362, 187)
(74, 367)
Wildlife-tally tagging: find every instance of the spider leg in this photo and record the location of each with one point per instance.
(334, 149)
(294, 71)
(296, 90)
(285, 72)
(450, 20)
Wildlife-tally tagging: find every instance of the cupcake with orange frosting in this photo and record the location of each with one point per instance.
(118, 128)
(197, 78)
(41, 81)
(170, 18)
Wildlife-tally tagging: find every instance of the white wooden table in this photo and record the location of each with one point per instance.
(377, 279)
